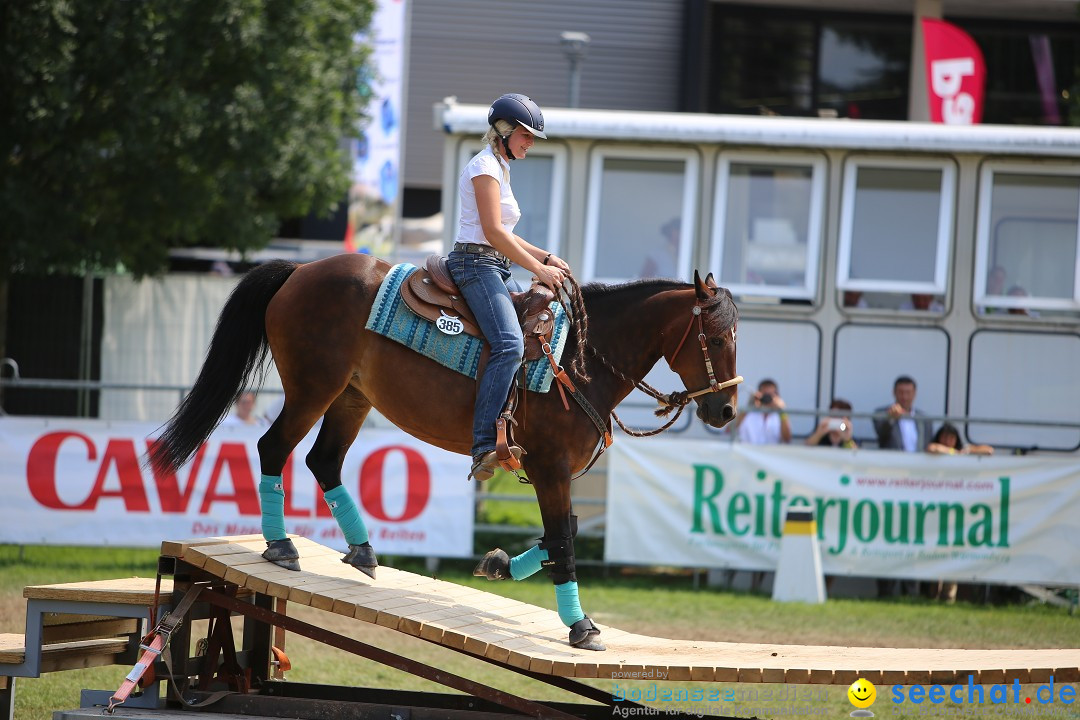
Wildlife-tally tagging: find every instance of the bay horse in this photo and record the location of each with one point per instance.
(311, 317)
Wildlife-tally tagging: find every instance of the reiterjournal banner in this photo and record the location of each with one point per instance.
(880, 513)
(82, 482)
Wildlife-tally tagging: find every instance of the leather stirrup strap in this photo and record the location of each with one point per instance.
(507, 460)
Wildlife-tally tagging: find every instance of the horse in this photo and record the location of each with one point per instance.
(310, 318)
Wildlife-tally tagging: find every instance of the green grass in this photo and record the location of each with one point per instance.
(656, 603)
(503, 512)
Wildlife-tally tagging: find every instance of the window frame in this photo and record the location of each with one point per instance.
(815, 223)
(983, 231)
(945, 234)
(599, 154)
(553, 242)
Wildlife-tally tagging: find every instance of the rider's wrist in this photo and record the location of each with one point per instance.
(546, 258)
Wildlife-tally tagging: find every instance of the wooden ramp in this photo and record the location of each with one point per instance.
(532, 638)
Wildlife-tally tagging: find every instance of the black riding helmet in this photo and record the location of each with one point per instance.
(517, 109)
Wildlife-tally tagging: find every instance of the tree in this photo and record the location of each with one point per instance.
(133, 126)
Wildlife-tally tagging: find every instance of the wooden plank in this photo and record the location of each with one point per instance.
(65, 655)
(110, 627)
(176, 548)
(12, 648)
(123, 591)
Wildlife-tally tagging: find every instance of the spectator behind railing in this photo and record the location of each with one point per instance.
(835, 430)
(899, 426)
(765, 422)
(946, 441)
(244, 413)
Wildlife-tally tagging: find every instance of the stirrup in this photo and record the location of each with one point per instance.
(484, 467)
(362, 557)
(495, 565)
(582, 633)
(282, 553)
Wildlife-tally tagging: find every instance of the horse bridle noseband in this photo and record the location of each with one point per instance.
(677, 400)
(682, 398)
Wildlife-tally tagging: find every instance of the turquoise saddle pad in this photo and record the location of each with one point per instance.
(392, 318)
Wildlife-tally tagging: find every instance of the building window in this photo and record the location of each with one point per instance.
(862, 68)
(767, 232)
(802, 61)
(895, 230)
(641, 209)
(1049, 360)
(1028, 234)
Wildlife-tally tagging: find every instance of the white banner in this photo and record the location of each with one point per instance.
(376, 153)
(880, 513)
(82, 482)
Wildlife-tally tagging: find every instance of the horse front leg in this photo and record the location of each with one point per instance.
(556, 553)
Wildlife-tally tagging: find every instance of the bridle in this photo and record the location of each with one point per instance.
(679, 399)
(714, 386)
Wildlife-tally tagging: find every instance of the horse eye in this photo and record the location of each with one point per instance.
(718, 342)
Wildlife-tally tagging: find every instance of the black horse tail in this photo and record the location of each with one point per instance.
(239, 347)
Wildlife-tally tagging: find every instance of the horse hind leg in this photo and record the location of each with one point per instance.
(339, 429)
(294, 421)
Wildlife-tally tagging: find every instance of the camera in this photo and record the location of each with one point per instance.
(766, 399)
(837, 424)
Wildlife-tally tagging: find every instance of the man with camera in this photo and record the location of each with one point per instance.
(765, 422)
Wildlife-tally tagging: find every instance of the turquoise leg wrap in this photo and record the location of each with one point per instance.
(566, 596)
(527, 563)
(272, 499)
(348, 517)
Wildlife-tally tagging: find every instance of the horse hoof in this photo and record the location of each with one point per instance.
(494, 566)
(583, 635)
(283, 554)
(362, 557)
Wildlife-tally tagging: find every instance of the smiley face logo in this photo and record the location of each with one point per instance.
(862, 693)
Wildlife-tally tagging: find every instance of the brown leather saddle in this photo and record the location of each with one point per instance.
(431, 293)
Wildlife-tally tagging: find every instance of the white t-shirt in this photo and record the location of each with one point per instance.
(759, 428)
(909, 434)
(485, 162)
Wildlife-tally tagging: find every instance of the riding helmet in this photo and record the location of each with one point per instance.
(517, 108)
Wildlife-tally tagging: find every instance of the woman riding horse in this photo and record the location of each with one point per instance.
(480, 262)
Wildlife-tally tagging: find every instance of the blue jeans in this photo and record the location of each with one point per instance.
(484, 280)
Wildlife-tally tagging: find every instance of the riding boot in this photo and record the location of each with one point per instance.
(485, 465)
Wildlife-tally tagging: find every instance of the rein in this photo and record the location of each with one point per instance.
(679, 399)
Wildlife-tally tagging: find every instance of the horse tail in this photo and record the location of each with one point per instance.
(239, 347)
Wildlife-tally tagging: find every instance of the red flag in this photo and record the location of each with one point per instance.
(350, 244)
(955, 74)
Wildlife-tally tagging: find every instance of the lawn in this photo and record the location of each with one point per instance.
(654, 603)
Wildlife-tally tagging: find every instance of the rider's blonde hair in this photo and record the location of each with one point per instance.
(493, 138)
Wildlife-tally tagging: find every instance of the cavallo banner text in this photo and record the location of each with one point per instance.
(880, 513)
(85, 482)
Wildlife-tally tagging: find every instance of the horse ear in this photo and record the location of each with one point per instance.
(709, 282)
(704, 292)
